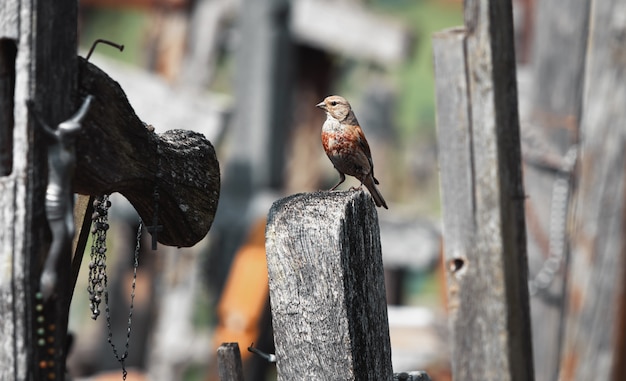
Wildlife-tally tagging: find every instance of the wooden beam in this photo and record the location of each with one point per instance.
(117, 152)
(327, 290)
(483, 196)
(555, 103)
(596, 321)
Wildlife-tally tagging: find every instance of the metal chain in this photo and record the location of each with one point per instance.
(97, 263)
(122, 359)
(558, 218)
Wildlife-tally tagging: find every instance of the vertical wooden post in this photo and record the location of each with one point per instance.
(558, 58)
(229, 362)
(44, 34)
(596, 323)
(263, 91)
(259, 127)
(327, 290)
(483, 196)
(558, 68)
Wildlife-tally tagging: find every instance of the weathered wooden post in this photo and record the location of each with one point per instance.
(229, 362)
(483, 196)
(595, 334)
(327, 290)
(554, 107)
(38, 55)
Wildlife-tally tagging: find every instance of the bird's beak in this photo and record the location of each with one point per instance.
(321, 105)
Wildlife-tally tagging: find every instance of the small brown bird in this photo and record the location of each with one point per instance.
(346, 146)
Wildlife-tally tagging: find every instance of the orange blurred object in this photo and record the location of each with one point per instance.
(245, 294)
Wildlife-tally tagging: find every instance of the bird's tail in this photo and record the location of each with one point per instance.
(378, 198)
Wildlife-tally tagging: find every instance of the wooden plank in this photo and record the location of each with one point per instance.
(554, 101)
(45, 72)
(229, 362)
(594, 346)
(486, 251)
(54, 77)
(453, 135)
(557, 69)
(327, 289)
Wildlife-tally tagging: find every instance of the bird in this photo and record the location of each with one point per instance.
(346, 146)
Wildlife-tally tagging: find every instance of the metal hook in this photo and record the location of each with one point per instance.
(101, 40)
(269, 357)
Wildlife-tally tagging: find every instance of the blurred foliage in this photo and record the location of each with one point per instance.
(122, 26)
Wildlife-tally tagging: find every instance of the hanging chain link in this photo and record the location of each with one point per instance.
(98, 280)
(97, 263)
(561, 191)
(122, 359)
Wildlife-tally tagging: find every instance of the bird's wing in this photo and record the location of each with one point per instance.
(366, 147)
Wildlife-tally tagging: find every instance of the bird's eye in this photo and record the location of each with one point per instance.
(333, 103)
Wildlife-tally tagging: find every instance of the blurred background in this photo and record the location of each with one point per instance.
(247, 74)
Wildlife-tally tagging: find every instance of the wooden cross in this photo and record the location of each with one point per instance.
(115, 152)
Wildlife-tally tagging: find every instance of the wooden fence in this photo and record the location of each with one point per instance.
(577, 98)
